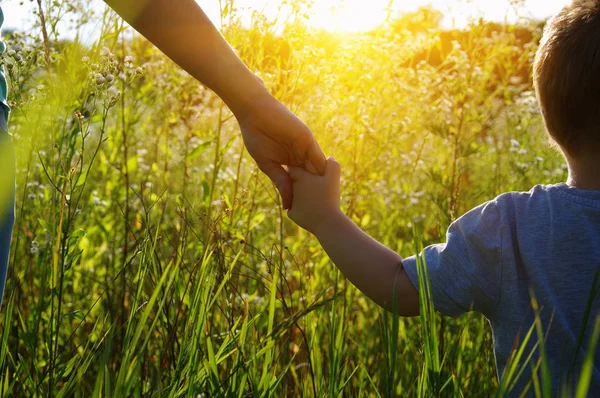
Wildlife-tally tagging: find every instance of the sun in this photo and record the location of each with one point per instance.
(348, 15)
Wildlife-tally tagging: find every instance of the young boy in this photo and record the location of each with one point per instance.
(546, 240)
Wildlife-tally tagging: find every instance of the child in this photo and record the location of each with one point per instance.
(546, 241)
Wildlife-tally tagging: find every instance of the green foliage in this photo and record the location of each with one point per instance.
(150, 257)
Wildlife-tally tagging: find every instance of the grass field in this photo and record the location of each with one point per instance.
(151, 258)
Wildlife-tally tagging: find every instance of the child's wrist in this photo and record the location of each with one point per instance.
(328, 223)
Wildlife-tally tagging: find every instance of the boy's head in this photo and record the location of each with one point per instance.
(566, 76)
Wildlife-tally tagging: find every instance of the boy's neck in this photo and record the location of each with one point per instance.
(584, 173)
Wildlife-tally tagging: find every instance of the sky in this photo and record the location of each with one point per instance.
(346, 15)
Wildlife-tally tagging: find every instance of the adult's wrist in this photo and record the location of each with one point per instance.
(248, 97)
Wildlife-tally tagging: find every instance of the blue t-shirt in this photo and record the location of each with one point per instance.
(547, 239)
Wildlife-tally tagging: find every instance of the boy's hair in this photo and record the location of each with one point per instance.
(566, 76)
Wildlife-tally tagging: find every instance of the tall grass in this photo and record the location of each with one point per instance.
(150, 257)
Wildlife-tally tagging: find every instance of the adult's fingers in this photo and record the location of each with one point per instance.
(297, 173)
(310, 167)
(316, 159)
(282, 181)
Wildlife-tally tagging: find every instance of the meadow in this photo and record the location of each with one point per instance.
(150, 256)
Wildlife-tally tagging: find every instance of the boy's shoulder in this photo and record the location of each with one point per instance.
(538, 208)
(506, 203)
(545, 195)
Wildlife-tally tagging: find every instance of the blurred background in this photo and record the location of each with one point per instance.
(150, 257)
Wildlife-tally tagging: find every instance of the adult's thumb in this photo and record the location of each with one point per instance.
(316, 158)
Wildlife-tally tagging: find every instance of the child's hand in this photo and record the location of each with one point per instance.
(315, 198)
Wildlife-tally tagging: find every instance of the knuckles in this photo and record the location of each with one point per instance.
(333, 165)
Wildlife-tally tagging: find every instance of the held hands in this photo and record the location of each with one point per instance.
(274, 136)
(316, 198)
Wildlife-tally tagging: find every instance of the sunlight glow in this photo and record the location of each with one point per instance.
(361, 15)
(348, 15)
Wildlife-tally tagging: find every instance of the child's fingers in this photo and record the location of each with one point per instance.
(297, 173)
(333, 168)
(310, 167)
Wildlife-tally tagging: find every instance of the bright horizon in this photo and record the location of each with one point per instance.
(349, 15)
(361, 15)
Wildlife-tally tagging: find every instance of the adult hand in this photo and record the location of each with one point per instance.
(274, 136)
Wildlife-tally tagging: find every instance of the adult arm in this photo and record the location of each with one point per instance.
(273, 135)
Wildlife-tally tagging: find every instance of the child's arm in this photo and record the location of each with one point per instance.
(369, 265)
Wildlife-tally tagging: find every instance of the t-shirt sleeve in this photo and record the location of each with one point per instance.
(465, 272)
